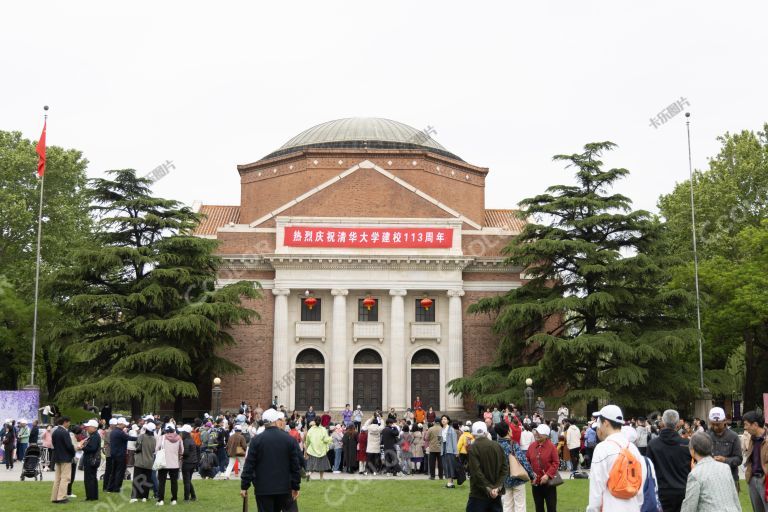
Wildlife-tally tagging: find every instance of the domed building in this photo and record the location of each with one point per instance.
(370, 240)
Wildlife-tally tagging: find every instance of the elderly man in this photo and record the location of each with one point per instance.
(756, 462)
(489, 468)
(672, 460)
(272, 466)
(118, 449)
(726, 445)
(709, 486)
(91, 447)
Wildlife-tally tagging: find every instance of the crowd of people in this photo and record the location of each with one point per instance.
(678, 465)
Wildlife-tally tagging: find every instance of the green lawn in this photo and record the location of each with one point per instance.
(348, 495)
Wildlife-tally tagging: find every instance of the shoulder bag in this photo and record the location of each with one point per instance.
(554, 481)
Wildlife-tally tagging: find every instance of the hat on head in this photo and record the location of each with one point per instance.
(238, 428)
(122, 421)
(113, 421)
(150, 427)
(22, 420)
(91, 423)
(611, 413)
(148, 417)
(716, 414)
(479, 428)
(185, 428)
(468, 423)
(543, 430)
(271, 415)
(170, 428)
(134, 427)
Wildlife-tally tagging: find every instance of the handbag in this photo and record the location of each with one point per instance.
(160, 462)
(239, 451)
(461, 474)
(555, 480)
(516, 470)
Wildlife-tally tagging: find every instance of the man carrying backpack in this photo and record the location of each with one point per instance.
(617, 473)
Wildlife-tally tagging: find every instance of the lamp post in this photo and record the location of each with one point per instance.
(529, 396)
(216, 392)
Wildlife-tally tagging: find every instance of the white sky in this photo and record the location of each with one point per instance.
(505, 85)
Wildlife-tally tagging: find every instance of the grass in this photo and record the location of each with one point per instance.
(316, 496)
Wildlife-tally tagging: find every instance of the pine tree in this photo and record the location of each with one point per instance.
(595, 319)
(151, 319)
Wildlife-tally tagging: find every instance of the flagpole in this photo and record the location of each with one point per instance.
(37, 268)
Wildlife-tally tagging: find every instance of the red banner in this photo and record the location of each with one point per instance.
(387, 238)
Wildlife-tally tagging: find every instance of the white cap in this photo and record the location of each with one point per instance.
(630, 433)
(716, 414)
(22, 420)
(238, 428)
(186, 428)
(150, 427)
(134, 427)
(468, 423)
(91, 423)
(122, 421)
(479, 428)
(149, 417)
(465, 428)
(610, 412)
(113, 421)
(543, 430)
(271, 415)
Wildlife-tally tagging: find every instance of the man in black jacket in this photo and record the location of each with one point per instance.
(62, 455)
(118, 448)
(726, 444)
(672, 460)
(272, 466)
(389, 437)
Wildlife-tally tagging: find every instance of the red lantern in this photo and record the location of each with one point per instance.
(310, 302)
(368, 302)
(426, 303)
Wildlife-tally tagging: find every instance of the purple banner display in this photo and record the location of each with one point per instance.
(19, 404)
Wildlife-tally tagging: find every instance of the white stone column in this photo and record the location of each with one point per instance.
(339, 368)
(455, 367)
(280, 364)
(397, 352)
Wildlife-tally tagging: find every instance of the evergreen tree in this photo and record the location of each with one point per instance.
(594, 319)
(151, 319)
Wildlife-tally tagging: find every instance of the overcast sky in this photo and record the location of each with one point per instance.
(505, 85)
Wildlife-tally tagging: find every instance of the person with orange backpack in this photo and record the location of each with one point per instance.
(618, 471)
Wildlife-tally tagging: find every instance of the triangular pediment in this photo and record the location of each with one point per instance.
(365, 190)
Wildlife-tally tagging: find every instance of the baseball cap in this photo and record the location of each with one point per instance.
(122, 421)
(113, 421)
(611, 413)
(716, 414)
(271, 415)
(91, 423)
(150, 427)
(543, 430)
(479, 428)
(238, 427)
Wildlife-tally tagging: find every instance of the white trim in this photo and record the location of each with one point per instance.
(266, 284)
(491, 286)
(244, 228)
(365, 164)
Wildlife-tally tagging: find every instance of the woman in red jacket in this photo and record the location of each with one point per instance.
(362, 444)
(542, 455)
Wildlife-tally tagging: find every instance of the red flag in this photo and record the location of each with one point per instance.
(41, 153)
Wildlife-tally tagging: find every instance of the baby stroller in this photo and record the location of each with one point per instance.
(32, 468)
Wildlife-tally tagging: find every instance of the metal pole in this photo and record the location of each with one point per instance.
(37, 272)
(695, 255)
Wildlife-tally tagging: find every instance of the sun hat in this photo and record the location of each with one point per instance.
(271, 415)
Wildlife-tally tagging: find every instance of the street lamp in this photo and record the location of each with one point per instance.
(529, 395)
(216, 392)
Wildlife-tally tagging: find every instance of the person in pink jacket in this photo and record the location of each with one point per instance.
(174, 449)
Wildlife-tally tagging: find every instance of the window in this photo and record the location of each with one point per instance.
(425, 315)
(364, 315)
(310, 315)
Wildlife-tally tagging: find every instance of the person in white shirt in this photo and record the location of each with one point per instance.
(610, 421)
(526, 438)
(573, 442)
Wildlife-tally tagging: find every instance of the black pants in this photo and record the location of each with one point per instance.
(374, 462)
(91, 482)
(118, 474)
(574, 458)
(357, 425)
(671, 501)
(643, 450)
(142, 483)
(162, 475)
(107, 475)
(72, 476)
(391, 461)
(435, 462)
(273, 502)
(544, 494)
(8, 455)
(588, 451)
(478, 505)
(186, 475)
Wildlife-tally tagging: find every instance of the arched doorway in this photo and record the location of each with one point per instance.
(367, 380)
(425, 378)
(310, 380)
